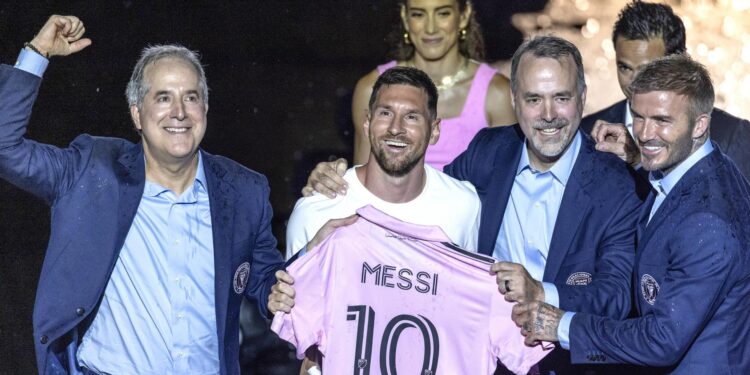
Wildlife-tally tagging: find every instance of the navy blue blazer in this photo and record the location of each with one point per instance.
(691, 284)
(732, 134)
(94, 187)
(591, 254)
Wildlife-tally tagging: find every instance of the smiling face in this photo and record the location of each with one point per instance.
(663, 129)
(548, 106)
(172, 116)
(634, 54)
(399, 128)
(434, 26)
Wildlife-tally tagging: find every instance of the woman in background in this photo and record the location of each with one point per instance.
(442, 38)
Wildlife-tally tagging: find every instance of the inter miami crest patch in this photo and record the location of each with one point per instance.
(579, 278)
(649, 288)
(240, 277)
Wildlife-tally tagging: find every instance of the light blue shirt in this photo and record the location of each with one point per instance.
(662, 185)
(530, 216)
(158, 312)
(31, 62)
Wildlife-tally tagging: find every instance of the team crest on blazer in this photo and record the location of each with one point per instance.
(579, 278)
(240, 277)
(649, 288)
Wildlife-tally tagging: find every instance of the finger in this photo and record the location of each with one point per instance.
(607, 130)
(599, 126)
(612, 147)
(286, 290)
(334, 181)
(307, 191)
(502, 285)
(529, 340)
(323, 189)
(329, 227)
(341, 166)
(519, 318)
(336, 223)
(509, 267)
(283, 276)
(77, 33)
(64, 25)
(79, 45)
(512, 296)
(276, 306)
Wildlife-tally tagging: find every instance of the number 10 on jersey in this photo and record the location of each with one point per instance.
(364, 317)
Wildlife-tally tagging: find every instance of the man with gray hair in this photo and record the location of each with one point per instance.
(559, 215)
(153, 245)
(692, 270)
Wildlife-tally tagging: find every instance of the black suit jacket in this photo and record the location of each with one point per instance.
(732, 134)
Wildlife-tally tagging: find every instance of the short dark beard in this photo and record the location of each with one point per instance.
(399, 170)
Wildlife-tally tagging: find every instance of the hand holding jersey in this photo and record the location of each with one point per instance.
(282, 293)
(372, 281)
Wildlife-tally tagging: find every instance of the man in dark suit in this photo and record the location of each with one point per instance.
(644, 32)
(153, 245)
(560, 215)
(692, 276)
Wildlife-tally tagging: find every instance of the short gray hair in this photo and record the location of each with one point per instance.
(551, 47)
(137, 88)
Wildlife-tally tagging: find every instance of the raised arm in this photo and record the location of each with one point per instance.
(37, 168)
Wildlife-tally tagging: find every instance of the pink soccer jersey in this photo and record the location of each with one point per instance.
(383, 297)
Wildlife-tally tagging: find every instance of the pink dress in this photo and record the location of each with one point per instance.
(457, 132)
(382, 296)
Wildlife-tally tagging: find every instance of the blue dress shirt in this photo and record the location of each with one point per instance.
(662, 185)
(158, 313)
(31, 62)
(529, 219)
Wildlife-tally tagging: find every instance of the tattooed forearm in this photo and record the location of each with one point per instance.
(546, 322)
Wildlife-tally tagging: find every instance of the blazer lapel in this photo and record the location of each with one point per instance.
(221, 197)
(682, 188)
(131, 173)
(497, 195)
(573, 208)
(643, 218)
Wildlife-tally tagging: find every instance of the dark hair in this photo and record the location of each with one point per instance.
(404, 75)
(137, 87)
(643, 21)
(682, 75)
(552, 47)
(472, 46)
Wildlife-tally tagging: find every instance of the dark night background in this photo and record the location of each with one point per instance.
(281, 75)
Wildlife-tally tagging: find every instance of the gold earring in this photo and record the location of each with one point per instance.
(407, 41)
(462, 34)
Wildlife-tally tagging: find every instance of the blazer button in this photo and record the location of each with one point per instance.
(80, 311)
(43, 339)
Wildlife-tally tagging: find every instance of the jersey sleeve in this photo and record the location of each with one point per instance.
(507, 343)
(304, 326)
